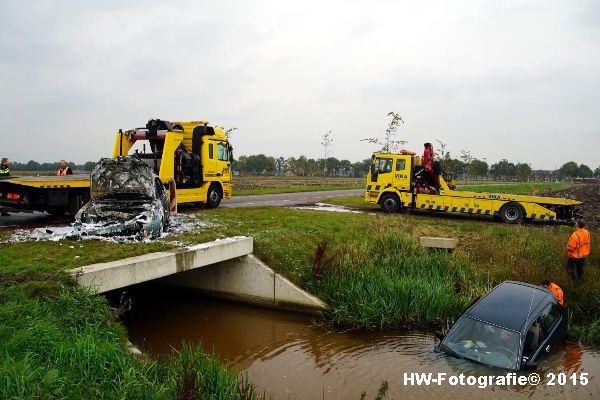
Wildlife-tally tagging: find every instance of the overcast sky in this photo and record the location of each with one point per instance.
(501, 79)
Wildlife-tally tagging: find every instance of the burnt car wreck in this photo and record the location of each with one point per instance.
(127, 199)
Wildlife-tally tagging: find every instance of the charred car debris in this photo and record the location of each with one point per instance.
(127, 199)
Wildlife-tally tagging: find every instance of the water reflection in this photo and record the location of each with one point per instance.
(288, 357)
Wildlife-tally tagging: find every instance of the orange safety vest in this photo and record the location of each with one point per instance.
(558, 293)
(579, 244)
(62, 171)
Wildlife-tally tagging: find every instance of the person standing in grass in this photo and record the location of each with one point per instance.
(555, 289)
(4, 169)
(4, 172)
(578, 249)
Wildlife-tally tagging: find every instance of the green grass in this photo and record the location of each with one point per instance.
(392, 281)
(352, 201)
(60, 342)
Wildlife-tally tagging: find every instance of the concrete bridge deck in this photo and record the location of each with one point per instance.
(223, 268)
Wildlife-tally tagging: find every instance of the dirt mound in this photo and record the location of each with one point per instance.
(589, 194)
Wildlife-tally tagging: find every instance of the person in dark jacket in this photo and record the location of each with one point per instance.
(64, 169)
(4, 171)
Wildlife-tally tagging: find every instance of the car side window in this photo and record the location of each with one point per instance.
(534, 338)
(210, 151)
(550, 317)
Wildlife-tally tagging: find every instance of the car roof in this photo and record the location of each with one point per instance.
(510, 304)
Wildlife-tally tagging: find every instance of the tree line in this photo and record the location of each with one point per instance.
(34, 166)
(463, 167)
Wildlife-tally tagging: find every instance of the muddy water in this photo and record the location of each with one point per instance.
(286, 356)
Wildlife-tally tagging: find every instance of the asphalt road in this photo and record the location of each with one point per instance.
(288, 199)
(38, 219)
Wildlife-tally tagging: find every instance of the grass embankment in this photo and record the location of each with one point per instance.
(372, 271)
(59, 341)
(253, 185)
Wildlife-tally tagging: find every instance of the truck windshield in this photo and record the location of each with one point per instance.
(483, 342)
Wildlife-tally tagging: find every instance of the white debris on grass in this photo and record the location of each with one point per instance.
(215, 242)
(178, 224)
(328, 207)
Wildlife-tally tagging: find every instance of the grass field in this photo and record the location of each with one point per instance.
(250, 185)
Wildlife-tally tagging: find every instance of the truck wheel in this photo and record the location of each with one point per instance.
(512, 213)
(390, 203)
(214, 196)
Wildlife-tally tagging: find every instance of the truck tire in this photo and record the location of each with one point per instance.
(214, 196)
(390, 203)
(512, 213)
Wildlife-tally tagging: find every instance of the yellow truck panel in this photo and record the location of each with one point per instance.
(194, 155)
(392, 183)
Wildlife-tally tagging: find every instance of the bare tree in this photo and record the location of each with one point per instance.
(466, 158)
(229, 131)
(326, 142)
(387, 143)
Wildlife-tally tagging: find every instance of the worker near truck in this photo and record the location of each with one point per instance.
(4, 169)
(64, 169)
(555, 289)
(578, 248)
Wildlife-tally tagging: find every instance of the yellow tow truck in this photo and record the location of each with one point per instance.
(402, 181)
(191, 156)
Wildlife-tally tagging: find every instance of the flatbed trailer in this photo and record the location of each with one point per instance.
(393, 183)
(192, 156)
(53, 194)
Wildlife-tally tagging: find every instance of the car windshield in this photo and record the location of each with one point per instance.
(483, 342)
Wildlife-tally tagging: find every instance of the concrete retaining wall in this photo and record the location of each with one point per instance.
(224, 268)
(112, 275)
(249, 280)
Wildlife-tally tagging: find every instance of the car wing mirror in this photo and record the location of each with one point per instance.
(439, 334)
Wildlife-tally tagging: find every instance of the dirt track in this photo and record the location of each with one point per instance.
(589, 194)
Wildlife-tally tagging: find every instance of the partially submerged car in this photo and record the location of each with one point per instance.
(513, 326)
(127, 199)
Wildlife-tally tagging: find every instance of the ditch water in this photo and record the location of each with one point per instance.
(286, 356)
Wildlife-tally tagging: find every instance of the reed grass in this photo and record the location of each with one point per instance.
(71, 346)
(391, 281)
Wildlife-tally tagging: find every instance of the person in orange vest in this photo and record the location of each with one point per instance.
(555, 289)
(64, 169)
(578, 249)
